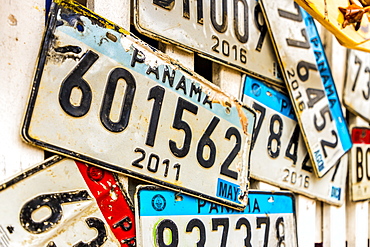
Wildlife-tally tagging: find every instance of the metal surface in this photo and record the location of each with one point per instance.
(166, 218)
(107, 98)
(279, 155)
(328, 14)
(357, 86)
(359, 162)
(61, 202)
(310, 83)
(231, 32)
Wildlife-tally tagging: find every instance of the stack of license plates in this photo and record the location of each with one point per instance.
(106, 103)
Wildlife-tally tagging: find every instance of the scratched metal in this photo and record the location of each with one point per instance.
(105, 97)
(168, 217)
(61, 202)
(230, 32)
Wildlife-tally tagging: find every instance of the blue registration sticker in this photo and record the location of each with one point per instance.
(228, 190)
(335, 192)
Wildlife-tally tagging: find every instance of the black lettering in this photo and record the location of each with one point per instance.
(256, 206)
(202, 230)
(221, 222)
(166, 4)
(137, 56)
(222, 190)
(186, 10)
(322, 67)
(166, 74)
(101, 237)
(230, 192)
(261, 27)
(153, 70)
(315, 41)
(292, 16)
(359, 167)
(329, 91)
(206, 140)
(201, 203)
(207, 101)
(213, 207)
(54, 203)
(318, 55)
(125, 224)
(221, 28)
(75, 80)
(110, 89)
(196, 90)
(156, 93)
(243, 38)
(236, 192)
(167, 224)
(325, 78)
(332, 102)
(182, 84)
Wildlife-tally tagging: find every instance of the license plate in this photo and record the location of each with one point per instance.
(329, 15)
(107, 98)
(309, 83)
(359, 165)
(279, 155)
(230, 32)
(357, 86)
(61, 202)
(166, 218)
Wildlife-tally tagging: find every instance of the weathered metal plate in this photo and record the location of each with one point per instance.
(357, 86)
(310, 84)
(165, 218)
(328, 14)
(231, 32)
(279, 155)
(359, 162)
(61, 202)
(107, 98)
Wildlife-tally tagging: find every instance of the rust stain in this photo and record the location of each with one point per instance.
(12, 20)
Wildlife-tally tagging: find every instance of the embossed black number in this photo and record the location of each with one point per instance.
(110, 89)
(75, 80)
(180, 124)
(54, 203)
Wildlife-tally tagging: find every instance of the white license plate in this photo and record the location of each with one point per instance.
(357, 86)
(106, 98)
(279, 155)
(359, 165)
(310, 83)
(166, 218)
(61, 202)
(230, 32)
